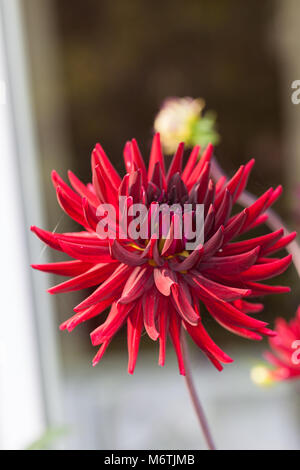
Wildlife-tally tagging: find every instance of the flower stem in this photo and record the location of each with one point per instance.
(273, 221)
(194, 397)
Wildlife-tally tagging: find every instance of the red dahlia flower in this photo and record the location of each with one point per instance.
(157, 284)
(286, 350)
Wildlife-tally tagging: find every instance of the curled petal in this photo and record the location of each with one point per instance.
(150, 303)
(125, 256)
(164, 279)
(181, 300)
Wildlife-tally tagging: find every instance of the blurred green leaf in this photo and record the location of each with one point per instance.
(48, 438)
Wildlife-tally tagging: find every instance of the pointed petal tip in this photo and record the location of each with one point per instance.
(51, 290)
(131, 369)
(250, 163)
(63, 326)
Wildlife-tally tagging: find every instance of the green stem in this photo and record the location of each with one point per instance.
(194, 397)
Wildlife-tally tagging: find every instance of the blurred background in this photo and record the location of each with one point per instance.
(77, 72)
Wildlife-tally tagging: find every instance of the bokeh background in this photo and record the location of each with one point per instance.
(82, 71)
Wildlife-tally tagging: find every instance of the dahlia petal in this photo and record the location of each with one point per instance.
(89, 214)
(73, 210)
(156, 156)
(267, 332)
(203, 183)
(108, 289)
(135, 186)
(285, 333)
(82, 238)
(125, 256)
(264, 242)
(123, 188)
(206, 157)
(274, 360)
(138, 159)
(243, 332)
(176, 163)
(222, 215)
(209, 222)
(64, 268)
(220, 184)
(213, 244)
(53, 239)
(234, 183)
(248, 307)
(275, 195)
(245, 177)
(59, 182)
(164, 279)
(190, 261)
(47, 237)
(90, 278)
(261, 219)
(265, 271)
(170, 242)
(108, 168)
(148, 251)
(210, 196)
(157, 177)
(177, 190)
(206, 344)
(110, 191)
(128, 158)
(228, 313)
(263, 289)
(136, 285)
(233, 226)
(232, 186)
(82, 189)
(229, 265)
(215, 362)
(181, 299)
(134, 331)
(99, 184)
(257, 208)
(87, 314)
(114, 321)
(221, 291)
(280, 244)
(190, 163)
(100, 353)
(149, 304)
(163, 329)
(88, 253)
(175, 334)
